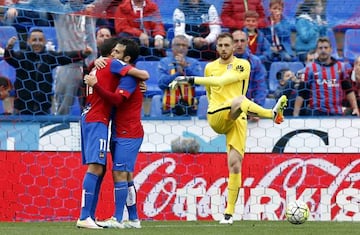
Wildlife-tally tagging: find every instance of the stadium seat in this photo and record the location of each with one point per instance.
(50, 34)
(152, 83)
(1, 108)
(200, 90)
(351, 44)
(6, 32)
(167, 9)
(331, 36)
(202, 107)
(269, 103)
(203, 64)
(276, 66)
(7, 70)
(155, 108)
(170, 34)
(75, 108)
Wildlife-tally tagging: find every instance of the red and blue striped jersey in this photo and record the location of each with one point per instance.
(126, 122)
(326, 84)
(97, 109)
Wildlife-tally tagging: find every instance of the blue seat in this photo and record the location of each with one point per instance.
(8, 71)
(170, 34)
(202, 107)
(203, 64)
(351, 44)
(167, 9)
(6, 32)
(331, 36)
(269, 103)
(155, 108)
(276, 66)
(200, 90)
(152, 82)
(1, 107)
(50, 34)
(76, 108)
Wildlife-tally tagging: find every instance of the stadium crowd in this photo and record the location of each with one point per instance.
(275, 42)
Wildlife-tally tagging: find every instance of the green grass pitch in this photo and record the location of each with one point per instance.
(188, 228)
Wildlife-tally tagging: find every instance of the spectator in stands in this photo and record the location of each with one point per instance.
(233, 13)
(23, 20)
(34, 81)
(101, 34)
(278, 33)
(5, 95)
(355, 79)
(326, 83)
(288, 84)
(141, 20)
(74, 32)
(257, 42)
(309, 27)
(257, 90)
(311, 56)
(180, 101)
(107, 18)
(200, 23)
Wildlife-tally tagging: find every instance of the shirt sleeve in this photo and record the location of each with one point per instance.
(110, 97)
(119, 67)
(126, 87)
(214, 24)
(241, 72)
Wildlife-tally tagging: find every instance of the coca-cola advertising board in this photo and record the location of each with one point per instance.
(193, 187)
(171, 186)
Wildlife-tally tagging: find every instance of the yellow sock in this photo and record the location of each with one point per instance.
(250, 107)
(233, 192)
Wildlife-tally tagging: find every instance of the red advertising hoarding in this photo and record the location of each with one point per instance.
(47, 186)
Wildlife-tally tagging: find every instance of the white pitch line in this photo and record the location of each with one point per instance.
(189, 225)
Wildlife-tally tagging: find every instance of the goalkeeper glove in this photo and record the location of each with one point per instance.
(181, 80)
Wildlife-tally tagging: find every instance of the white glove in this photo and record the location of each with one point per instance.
(180, 80)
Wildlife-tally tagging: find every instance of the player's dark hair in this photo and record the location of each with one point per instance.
(132, 49)
(5, 82)
(108, 45)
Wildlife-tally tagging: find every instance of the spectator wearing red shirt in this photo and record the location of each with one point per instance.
(233, 13)
(355, 79)
(141, 20)
(257, 42)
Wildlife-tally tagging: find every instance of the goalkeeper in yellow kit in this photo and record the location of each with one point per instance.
(226, 81)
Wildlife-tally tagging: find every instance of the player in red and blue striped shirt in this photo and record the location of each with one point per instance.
(126, 139)
(94, 128)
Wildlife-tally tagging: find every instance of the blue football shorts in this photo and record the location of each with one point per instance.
(124, 152)
(94, 142)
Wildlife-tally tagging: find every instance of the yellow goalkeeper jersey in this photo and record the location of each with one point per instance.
(224, 82)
